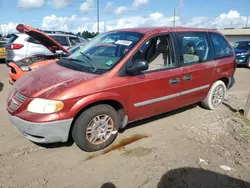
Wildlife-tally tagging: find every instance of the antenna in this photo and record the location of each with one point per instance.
(97, 16)
(174, 16)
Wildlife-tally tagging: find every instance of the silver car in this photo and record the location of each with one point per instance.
(21, 46)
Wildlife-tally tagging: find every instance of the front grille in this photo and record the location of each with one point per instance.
(12, 70)
(16, 101)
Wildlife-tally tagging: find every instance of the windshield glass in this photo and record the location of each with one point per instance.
(240, 45)
(103, 52)
(2, 44)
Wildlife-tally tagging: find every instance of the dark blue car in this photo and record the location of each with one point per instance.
(242, 52)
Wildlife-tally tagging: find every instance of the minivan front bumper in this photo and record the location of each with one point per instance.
(47, 132)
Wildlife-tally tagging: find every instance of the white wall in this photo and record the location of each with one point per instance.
(233, 38)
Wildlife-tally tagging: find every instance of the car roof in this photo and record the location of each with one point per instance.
(61, 34)
(147, 30)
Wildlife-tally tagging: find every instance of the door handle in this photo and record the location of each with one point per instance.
(174, 81)
(186, 78)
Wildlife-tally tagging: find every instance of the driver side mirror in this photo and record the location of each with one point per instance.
(138, 66)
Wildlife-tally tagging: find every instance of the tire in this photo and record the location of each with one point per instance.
(93, 120)
(210, 101)
(248, 63)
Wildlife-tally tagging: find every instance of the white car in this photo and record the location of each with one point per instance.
(20, 46)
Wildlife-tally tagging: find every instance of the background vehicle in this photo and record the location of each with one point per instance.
(242, 51)
(23, 67)
(21, 45)
(66, 39)
(119, 77)
(2, 50)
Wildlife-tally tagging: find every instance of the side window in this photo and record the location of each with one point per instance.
(193, 47)
(248, 46)
(157, 52)
(74, 40)
(61, 40)
(33, 41)
(221, 46)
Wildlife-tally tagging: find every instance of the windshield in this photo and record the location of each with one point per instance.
(2, 44)
(241, 45)
(103, 52)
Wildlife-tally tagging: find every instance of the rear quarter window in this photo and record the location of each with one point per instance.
(12, 39)
(33, 41)
(221, 46)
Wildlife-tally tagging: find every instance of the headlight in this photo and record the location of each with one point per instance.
(44, 106)
(25, 68)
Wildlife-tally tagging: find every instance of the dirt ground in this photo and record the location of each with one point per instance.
(190, 147)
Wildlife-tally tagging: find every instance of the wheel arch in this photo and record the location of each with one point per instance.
(116, 104)
(225, 80)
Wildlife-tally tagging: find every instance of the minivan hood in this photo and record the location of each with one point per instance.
(44, 39)
(50, 80)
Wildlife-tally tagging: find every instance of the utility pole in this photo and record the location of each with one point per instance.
(97, 16)
(174, 16)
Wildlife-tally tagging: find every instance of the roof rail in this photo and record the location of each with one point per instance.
(58, 32)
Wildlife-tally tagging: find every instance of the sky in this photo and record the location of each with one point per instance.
(79, 15)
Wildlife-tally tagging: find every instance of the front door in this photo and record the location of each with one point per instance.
(157, 89)
(197, 65)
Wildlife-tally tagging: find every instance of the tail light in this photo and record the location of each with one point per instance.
(14, 46)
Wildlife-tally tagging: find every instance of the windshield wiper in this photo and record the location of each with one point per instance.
(85, 55)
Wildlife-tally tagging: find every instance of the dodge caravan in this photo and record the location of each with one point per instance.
(119, 77)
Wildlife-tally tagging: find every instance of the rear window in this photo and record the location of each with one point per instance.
(61, 40)
(12, 39)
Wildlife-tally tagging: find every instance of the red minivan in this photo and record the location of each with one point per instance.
(119, 77)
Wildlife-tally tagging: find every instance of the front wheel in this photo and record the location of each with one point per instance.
(215, 96)
(96, 128)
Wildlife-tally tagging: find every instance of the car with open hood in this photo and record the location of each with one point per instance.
(119, 77)
(24, 66)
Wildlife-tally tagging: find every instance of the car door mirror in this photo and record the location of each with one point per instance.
(138, 66)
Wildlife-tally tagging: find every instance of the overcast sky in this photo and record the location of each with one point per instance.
(79, 15)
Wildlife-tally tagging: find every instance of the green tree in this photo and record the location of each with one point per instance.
(87, 34)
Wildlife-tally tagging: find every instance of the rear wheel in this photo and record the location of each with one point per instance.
(96, 128)
(215, 96)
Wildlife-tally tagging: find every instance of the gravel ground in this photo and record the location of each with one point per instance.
(190, 147)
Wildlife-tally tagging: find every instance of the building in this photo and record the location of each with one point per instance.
(234, 34)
